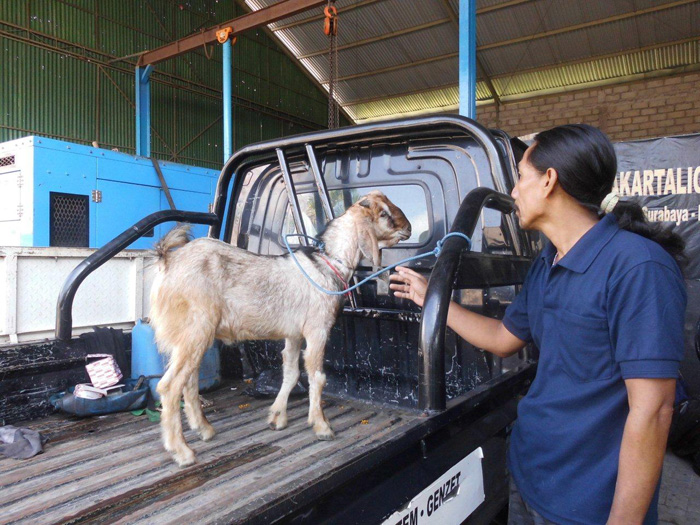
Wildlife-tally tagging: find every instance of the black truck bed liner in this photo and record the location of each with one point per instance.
(114, 469)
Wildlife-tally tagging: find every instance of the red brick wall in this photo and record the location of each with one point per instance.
(642, 109)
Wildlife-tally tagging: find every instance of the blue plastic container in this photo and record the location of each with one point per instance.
(147, 361)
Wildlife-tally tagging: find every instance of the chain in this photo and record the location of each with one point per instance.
(333, 107)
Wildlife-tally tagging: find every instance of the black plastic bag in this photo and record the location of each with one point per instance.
(125, 401)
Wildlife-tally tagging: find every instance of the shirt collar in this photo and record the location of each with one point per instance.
(587, 248)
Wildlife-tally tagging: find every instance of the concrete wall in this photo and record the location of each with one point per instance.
(654, 107)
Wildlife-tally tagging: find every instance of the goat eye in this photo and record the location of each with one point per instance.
(384, 214)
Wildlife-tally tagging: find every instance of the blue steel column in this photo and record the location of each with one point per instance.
(228, 120)
(467, 58)
(143, 110)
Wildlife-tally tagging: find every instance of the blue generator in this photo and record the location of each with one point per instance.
(56, 193)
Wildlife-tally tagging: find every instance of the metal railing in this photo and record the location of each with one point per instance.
(64, 308)
(432, 394)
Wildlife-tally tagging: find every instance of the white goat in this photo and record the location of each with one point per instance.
(208, 289)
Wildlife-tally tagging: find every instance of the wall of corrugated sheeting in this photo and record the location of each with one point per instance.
(59, 78)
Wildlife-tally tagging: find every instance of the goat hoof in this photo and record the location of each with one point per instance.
(278, 424)
(325, 433)
(184, 458)
(326, 436)
(207, 433)
(276, 420)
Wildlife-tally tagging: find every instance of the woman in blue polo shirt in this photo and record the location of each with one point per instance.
(604, 302)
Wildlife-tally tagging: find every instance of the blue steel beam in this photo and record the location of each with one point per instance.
(467, 58)
(226, 95)
(143, 110)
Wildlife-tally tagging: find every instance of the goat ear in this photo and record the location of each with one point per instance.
(369, 246)
(365, 203)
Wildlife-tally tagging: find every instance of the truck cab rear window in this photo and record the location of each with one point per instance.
(411, 198)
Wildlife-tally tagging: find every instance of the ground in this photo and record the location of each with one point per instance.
(680, 487)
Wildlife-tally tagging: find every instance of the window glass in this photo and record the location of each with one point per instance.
(410, 198)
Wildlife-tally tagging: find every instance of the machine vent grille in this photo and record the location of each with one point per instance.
(70, 219)
(7, 161)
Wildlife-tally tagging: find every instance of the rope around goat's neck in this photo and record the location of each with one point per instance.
(321, 245)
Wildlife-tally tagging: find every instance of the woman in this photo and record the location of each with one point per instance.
(604, 302)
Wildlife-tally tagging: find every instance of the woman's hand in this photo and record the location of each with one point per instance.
(408, 284)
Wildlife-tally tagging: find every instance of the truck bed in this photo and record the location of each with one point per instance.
(114, 469)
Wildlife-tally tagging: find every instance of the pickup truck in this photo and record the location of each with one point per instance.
(421, 417)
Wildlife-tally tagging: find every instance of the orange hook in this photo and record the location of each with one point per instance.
(330, 24)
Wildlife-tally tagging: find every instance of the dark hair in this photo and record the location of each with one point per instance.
(586, 165)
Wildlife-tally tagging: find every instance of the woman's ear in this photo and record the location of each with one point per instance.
(369, 246)
(551, 179)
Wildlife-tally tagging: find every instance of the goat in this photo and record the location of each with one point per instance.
(207, 289)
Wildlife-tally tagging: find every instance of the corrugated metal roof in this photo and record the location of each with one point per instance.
(419, 78)
(406, 49)
(602, 69)
(396, 60)
(538, 81)
(612, 37)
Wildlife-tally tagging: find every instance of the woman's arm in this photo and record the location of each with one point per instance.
(643, 447)
(479, 330)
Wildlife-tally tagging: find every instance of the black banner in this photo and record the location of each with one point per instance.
(663, 176)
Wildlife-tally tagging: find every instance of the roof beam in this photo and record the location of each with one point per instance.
(252, 20)
(585, 25)
(379, 38)
(321, 17)
(502, 5)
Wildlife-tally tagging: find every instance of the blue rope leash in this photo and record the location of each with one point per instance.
(321, 246)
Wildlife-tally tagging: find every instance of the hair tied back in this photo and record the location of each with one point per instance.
(609, 202)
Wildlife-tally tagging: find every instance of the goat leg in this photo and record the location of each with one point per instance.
(313, 361)
(170, 389)
(193, 409)
(277, 418)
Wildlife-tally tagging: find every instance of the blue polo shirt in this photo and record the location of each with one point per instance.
(611, 309)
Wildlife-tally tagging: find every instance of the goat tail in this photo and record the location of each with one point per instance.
(175, 238)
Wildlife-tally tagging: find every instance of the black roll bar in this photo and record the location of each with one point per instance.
(320, 183)
(64, 308)
(431, 346)
(296, 147)
(325, 202)
(292, 196)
